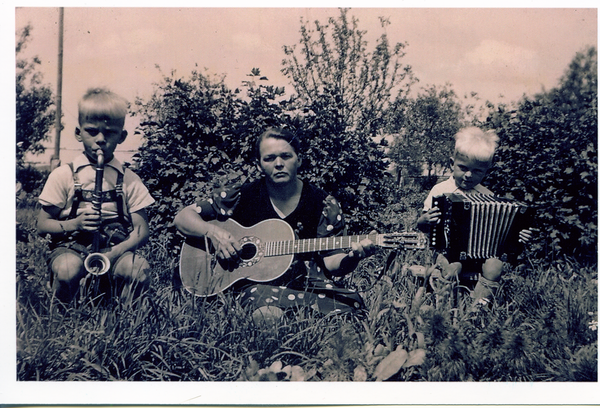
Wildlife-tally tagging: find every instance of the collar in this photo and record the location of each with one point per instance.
(82, 161)
(477, 188)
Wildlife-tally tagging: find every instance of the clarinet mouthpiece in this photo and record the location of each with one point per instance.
(99, 158)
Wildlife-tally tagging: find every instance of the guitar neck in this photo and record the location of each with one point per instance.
(301, 246)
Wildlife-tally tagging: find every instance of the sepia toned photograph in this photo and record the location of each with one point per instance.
(303, 205)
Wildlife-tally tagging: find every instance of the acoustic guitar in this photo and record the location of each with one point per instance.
(204, 274)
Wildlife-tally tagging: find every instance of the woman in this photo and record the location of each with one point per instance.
(309, 211)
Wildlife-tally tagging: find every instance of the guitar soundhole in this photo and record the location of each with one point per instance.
(248, 251)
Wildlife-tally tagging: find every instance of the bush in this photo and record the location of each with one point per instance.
(548, 158)
(30, 182)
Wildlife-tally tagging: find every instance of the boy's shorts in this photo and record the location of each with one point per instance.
(55, 253)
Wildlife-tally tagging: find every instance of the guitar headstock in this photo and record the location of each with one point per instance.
(406, 240)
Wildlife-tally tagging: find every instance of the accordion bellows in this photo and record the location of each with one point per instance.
(477, 226)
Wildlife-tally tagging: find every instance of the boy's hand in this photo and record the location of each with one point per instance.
(112, 254)
(88, 220)
(526, 235)
(432, 216)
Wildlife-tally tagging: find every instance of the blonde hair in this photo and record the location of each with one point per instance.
(476, 143)
(101, 102)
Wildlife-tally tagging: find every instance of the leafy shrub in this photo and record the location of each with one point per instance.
(347, 164)
(32, 179)
(35, 114)
(548, 157)
(195, 132)
(343, 91)
(30, 182)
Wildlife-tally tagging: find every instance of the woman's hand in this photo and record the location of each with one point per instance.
(342, 264)
(362, 249)
(226, 246)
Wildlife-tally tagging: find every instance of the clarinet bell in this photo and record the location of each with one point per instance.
(96, 263)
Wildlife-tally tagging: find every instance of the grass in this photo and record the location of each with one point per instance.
(542, 327)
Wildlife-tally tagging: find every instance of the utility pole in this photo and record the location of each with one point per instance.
(55, 160)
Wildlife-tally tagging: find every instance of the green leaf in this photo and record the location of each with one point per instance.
(391, 364)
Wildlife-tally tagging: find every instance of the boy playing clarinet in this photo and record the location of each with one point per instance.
(106, 219)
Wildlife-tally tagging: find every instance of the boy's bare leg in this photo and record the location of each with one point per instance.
(488, 283)
(132, 272)
(68, 271)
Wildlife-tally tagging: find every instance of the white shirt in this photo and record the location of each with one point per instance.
(59, 189)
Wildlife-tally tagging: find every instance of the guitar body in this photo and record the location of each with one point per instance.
(204, 274)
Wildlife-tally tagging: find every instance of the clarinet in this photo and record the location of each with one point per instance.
(97, 263)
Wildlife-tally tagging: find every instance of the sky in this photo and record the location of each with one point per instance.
(500, 53)
(502, 50)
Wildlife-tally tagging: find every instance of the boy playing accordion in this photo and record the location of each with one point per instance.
(473, 157)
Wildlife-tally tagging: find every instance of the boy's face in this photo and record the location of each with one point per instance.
(278, 160)
(101, 133)
(468, 172)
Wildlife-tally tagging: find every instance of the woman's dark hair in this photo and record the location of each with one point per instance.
(277, 133)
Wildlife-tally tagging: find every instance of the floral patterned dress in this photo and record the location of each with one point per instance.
(306, 283)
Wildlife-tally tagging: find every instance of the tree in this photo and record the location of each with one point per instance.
(198, 134)
(548, 157)
(424, 130)
(34, 100)
(342, 95)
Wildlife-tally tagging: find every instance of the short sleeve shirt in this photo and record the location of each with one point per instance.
(59, 189)
(449, 186)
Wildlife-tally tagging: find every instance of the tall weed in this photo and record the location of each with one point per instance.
(542, 327)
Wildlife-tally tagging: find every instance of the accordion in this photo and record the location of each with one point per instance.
(477, 226)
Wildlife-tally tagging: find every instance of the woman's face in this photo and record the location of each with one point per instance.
(278, 161)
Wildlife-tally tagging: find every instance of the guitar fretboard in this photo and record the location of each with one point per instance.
(300, 246)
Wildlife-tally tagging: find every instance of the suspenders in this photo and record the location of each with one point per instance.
(78, 197)
(115, 195)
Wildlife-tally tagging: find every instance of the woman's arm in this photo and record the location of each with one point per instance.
(191, 224)
(343, 264)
